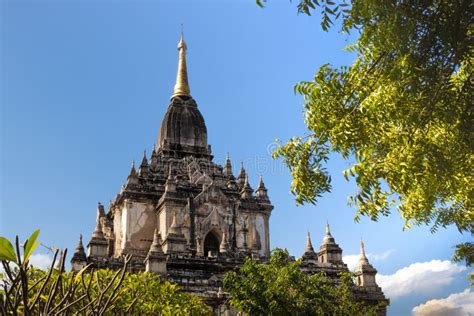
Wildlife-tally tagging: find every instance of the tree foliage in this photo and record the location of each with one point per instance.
(464, 252)
(280, 288)
(138, 293)
(30, 291)
(402, 113)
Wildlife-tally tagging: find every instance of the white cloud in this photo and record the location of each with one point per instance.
(40, 260)
(456, 304)
(352, 260)
(419, 278)
(382, 256)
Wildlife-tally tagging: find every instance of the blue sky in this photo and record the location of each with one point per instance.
(84, 86)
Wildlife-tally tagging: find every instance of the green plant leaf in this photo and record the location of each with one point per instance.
(30, 245)
(7, 253)
(77, 278)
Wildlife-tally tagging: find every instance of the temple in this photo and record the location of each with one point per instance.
(191, 220)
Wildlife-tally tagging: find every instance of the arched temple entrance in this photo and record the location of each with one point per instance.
(211, 243)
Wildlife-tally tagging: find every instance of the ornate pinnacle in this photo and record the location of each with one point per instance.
(181, 87)
(261, 192)
(261, 185)
(363, 258)
(144, 160)
(132, 169)
(79, 253)
(247, 190)
(155, 247)
(362, 250)
(246, 183)
(242, 171)
(228, 166)
(328, 239)
(170, 184)
(100, 210)
(174, 228)
(154, 159)
(309, 246)
(79, 244)
(131, 178)
(98, 234)
(144, 170)
(364, 265)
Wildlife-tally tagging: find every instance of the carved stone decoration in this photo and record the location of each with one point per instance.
(199, 249)
(224, 246)
(245, 231)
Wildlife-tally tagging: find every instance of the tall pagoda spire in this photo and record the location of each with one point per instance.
(362, 250)
(181, 87)
(365, 272)
(309, 254)
(309, 246)
(228, 166)
(328, 239)
(79, 258)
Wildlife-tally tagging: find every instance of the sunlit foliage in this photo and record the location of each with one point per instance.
(401, 114)
(280, 288)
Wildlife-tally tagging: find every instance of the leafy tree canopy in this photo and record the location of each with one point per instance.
(402, 113)
(280, 288)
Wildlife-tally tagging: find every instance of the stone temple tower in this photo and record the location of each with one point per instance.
(329, 260)
(189, 219)
(195, 204)
(179, 213)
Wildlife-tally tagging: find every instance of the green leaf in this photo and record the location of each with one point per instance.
(30, 245)
(77, 278)
(7, 253)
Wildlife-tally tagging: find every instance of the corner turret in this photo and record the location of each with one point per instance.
(365, 272)
(366, 286)
(247, 191)
(144, 170)
(242, 175)
(98, 245)
(132, 178)
(79, 259)
(329, 251)
(309, 253)
(228, 167)
(155, 261)
(262, 192)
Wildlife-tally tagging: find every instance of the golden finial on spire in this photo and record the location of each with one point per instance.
(181, 87)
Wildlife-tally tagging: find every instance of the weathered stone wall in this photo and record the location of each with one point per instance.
(137, 224)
